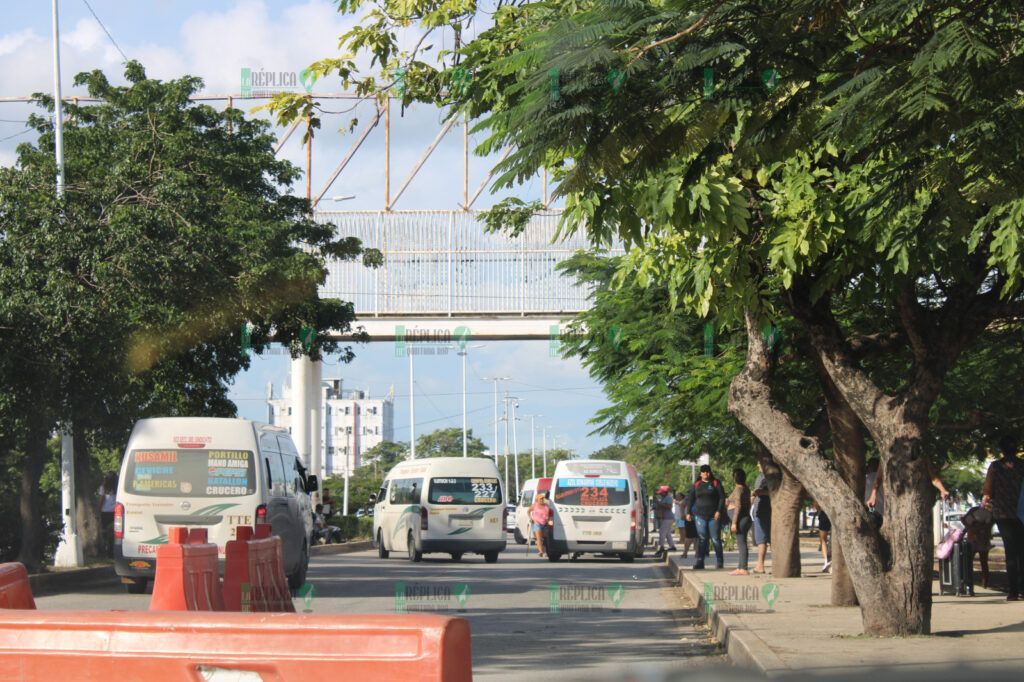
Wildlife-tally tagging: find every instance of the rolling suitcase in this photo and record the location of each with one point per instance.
(956, 569)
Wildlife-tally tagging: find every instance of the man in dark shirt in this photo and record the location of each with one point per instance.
(707, 509)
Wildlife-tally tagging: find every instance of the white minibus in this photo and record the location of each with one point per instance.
(600, 507)
(452, 505)
(203, 472)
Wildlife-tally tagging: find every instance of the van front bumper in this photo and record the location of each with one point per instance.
(455, 546)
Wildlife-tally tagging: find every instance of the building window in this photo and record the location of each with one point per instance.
(348, 409)
(289, 411)
(376, 430)
(348, 429)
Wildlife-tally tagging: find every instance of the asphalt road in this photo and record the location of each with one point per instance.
(593, 619)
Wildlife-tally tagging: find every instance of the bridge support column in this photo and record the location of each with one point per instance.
(301, 374)
(316, 422)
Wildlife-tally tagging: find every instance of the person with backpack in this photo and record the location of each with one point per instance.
(1002, 496)
(707, 509)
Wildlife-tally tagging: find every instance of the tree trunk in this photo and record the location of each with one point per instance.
(787, 502)
(894, 592)
(849, 453)
(87, 503)
(30, 550)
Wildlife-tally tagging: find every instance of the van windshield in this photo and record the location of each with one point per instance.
(465, 490)
(191, 473)
(592, 492)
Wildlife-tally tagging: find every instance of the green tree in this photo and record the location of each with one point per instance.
(772, 160)
(385, 455)
(126, 297)
(448, 443)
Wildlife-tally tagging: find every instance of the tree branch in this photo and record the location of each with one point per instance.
(695, 26)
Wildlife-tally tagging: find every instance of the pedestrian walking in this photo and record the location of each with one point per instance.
(738, 508)
(1002, 495)
(108, 500)
(707, 509)
(761, 515)
(665, 520)
(824, 528)
(687, 531)
(541, 521)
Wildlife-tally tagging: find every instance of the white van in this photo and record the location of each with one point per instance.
(202, 472)
(454, 505)
(600, 507)
(523, 523)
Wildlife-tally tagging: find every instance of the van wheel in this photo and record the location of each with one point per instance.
(414, 554)
(520, 540)
(298, 578)
(138, 587)
(626, 557)
(382, 552)
(456, 556)
(554, 556)
(491, 557)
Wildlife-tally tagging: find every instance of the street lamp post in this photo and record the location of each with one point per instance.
(533, 444)
(412, 404)
(465, 353)
(544, 450)
(515, 443)
(495, 450)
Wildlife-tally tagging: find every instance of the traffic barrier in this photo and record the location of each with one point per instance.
(254, 578)
(15, 590)
(238, 583)
(286, 647)
(187, 574)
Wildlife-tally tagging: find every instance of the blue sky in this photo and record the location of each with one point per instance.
(215, 39)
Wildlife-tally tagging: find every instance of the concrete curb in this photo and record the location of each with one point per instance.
(341, 548)
(64, 581)
(742, 645)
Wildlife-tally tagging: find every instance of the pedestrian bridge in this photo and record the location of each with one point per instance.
(443, 271)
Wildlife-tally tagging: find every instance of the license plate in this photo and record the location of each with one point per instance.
(466, 523)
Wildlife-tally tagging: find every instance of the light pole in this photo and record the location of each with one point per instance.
(412, 404)
(515, 443)
(69, 551)
(495, 450)
(465, 353)
(533, 444)
(544, 450)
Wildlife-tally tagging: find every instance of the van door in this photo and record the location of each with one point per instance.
(280, 510)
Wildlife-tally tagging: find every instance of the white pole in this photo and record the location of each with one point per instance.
(344, 507)
(533, 448)
(464, 353)
(515, 444)
(316, 397)
(412, 405)
(505, 419)
(301, 371)
(544, 451)
(69, 551)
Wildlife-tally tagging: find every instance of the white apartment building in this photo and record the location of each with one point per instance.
(353, 422)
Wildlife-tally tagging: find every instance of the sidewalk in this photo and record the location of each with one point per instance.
(791, 626)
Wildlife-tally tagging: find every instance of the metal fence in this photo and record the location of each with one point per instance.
(443, 263)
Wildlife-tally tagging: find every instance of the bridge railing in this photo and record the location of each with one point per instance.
(443, 263)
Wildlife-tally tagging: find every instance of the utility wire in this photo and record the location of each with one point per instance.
(114, 42)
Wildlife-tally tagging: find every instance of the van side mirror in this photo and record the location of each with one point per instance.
(312, 484)
(373, 498)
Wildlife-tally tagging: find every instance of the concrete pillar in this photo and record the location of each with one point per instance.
(301, 374)
(316, 422)
(69, 550)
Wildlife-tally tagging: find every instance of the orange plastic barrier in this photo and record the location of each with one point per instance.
(15, 590)
(187, 574)
(162, 646)
(238, 592)
(254, 578)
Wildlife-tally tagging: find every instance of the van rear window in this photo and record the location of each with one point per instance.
(191, 473)
(465, 490)
(592, 492)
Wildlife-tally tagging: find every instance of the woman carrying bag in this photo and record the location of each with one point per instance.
(542, 521)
